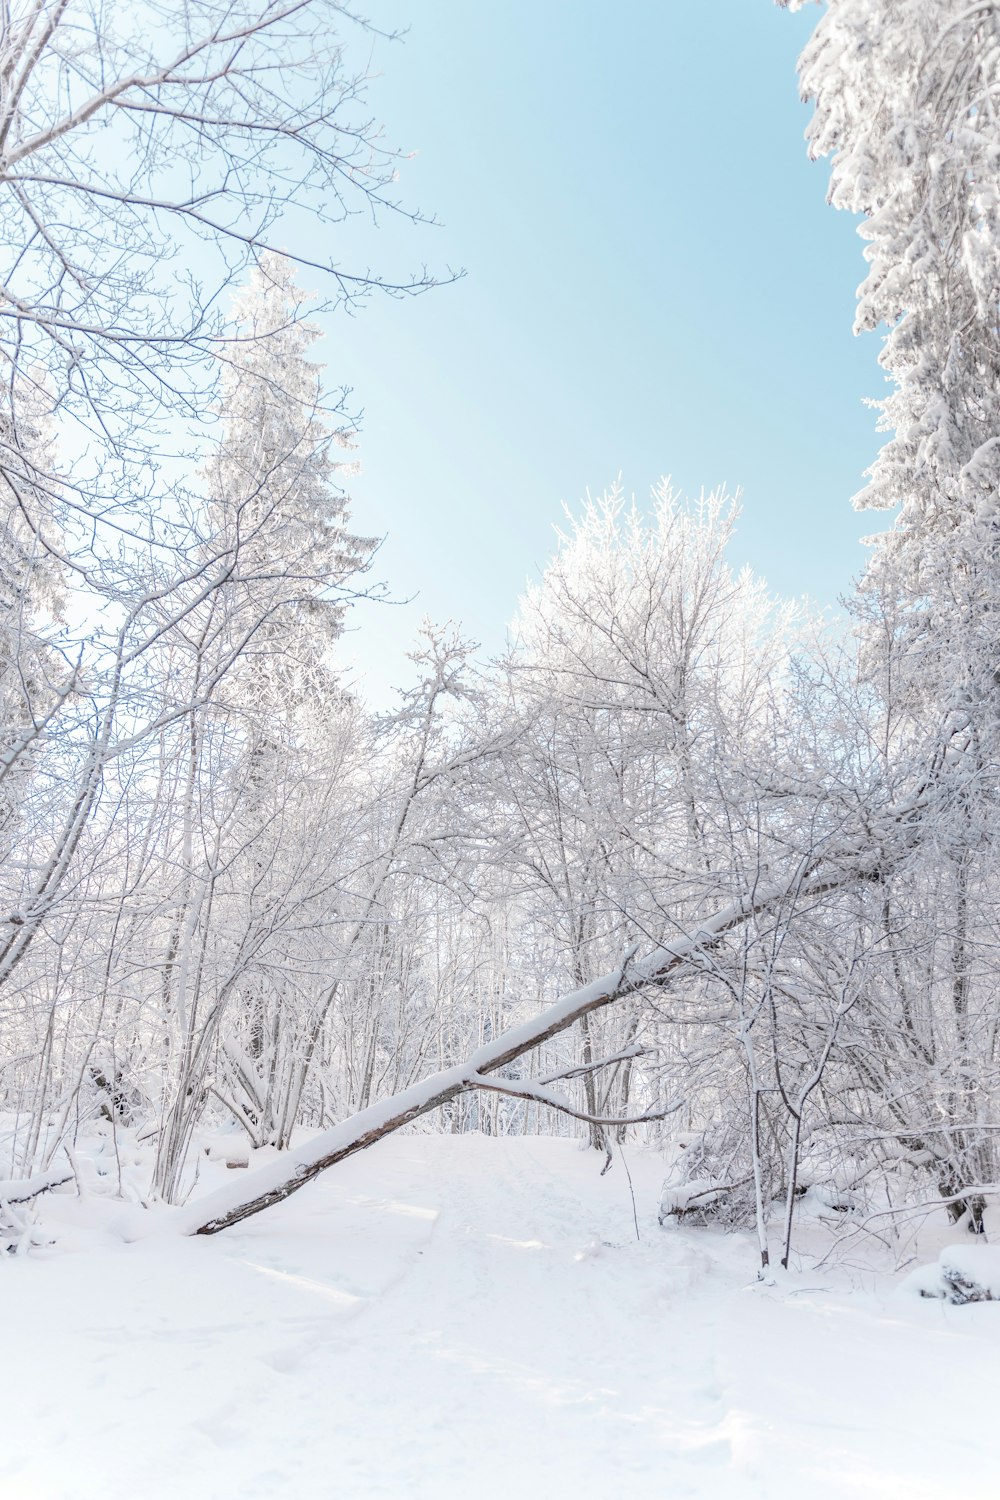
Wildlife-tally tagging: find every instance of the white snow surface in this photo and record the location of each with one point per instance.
(455, 1316)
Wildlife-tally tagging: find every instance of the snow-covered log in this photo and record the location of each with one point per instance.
(24, 1189)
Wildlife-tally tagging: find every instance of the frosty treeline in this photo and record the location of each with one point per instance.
(683, 856)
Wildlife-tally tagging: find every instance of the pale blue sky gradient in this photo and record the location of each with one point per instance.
(655, 286)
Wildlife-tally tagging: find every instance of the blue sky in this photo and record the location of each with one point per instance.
(655, 285)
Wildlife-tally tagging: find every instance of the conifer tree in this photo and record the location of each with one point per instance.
(275, 501)
(279, 520)
(906, 106)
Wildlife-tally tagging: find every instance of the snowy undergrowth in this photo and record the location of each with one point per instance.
(453, 1315)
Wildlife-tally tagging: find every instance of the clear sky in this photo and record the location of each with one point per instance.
(655, 285)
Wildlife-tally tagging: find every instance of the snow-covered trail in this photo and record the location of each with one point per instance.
(451, 1316)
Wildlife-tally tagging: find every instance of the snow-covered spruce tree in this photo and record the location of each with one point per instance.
(278, 526)
(275, 502)
(906, 105)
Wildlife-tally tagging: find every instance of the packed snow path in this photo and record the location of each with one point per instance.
(449, 1317)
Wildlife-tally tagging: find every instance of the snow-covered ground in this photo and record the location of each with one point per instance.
(447, 1317)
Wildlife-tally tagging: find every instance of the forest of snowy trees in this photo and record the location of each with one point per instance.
(685, 865)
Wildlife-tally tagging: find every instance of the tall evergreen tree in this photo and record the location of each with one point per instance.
(906, 105)
(276, 504)
(906, 99)
(279, 521)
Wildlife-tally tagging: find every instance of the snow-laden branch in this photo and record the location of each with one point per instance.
(516, 1088)
(580, 1070)
(24, 1189)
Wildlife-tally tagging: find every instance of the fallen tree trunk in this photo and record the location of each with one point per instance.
(279, 1179)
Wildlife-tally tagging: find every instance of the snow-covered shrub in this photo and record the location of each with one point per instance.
(962, 1274)
(697, 1192)
(700, 1201)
